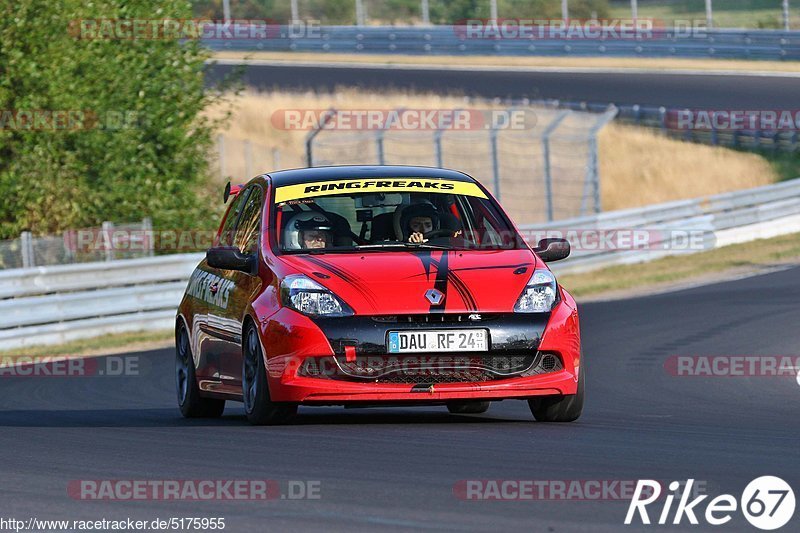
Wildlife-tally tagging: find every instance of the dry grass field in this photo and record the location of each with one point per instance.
(637, 166)
(647, 63)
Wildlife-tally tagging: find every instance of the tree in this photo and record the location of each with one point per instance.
(133, 142)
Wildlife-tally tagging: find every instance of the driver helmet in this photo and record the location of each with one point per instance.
(421, 209)
(302, 222)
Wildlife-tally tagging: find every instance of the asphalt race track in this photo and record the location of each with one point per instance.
(395, 469)
(738, 92)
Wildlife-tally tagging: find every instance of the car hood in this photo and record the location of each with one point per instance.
(380, 283)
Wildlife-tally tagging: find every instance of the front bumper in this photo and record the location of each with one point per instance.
(291, 340)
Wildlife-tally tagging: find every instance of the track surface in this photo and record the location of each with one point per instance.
(395, 468)
(739, 92)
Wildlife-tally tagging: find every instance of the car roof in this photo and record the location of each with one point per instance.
(306, 175)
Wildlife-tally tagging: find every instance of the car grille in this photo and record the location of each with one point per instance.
(431, 369)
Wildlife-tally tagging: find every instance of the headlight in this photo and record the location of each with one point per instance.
(305, 295)
(539, 295)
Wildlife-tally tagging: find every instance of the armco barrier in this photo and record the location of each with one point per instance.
(48, 305)
(450, 40)
(713, 221)
(55, 304)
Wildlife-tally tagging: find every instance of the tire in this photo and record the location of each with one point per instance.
(566, 408)
(260, 410)
(468, 408)
(191, 404)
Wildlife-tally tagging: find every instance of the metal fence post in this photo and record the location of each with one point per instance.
(437, 147)
(379, 146)
(437, 139)
(310, 149)
(361, 13)
(548, 176)
(69, 254)
(107, 228)
(495, 162)
(785, 6)
(147, 229)
(26, 248)
(311, 136)
(591, 184)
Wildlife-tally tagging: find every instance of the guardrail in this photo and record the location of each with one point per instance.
(682, 227)
(717, 127)
(454, 40)
(55, 304)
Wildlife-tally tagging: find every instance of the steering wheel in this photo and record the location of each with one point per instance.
(437, 233)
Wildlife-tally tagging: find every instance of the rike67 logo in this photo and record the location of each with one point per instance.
(767, 503)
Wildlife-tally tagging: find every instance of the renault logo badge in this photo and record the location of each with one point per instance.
(434, 296)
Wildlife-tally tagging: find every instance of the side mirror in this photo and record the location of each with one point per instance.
(550, 250)
(230, 258)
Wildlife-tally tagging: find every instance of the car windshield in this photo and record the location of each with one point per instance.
(379, 214)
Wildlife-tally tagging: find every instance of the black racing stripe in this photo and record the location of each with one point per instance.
(440, 283)
(467, 295)
(427, 261)
(347, 276)
(444, 278)
(463, 291)
(331, 268)
(491, 267)
(460, 290)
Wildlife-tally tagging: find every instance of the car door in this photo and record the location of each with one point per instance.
(242, 286)
(214, 336)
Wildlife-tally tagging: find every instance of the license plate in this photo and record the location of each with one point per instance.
(443, 340)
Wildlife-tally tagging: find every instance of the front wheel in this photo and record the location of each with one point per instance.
(191, 404)
(258, 406)
(560, 408)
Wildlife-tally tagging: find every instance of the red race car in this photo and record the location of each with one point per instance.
(372, 286)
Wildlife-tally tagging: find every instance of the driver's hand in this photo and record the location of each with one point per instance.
(417, 237)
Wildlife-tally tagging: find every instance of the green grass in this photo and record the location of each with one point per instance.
(759, 253)
(727, 13)
(786, 164)
(94, 345)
